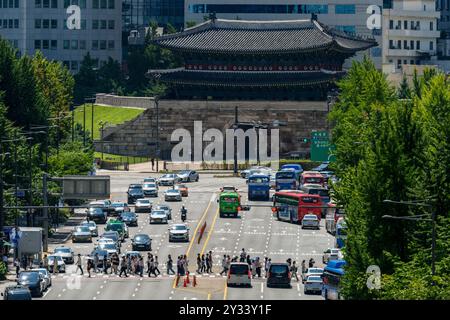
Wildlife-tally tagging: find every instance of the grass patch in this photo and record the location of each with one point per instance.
(112, 115)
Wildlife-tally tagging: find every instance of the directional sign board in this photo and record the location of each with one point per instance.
(86, 187)
(320, 146)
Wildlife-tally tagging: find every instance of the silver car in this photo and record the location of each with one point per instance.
(188, 175)
(45, 275)
(66, 253)
(150, 189)
(109, 247)
(59, 262)
(158, 216)
(179, 232)
(143, 205)
(313, 284)
(169, 179)
(172, 195)
(92, 227)
(310, 221)
(81, 233)
(165, 208)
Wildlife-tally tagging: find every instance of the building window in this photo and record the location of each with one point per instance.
(46, 4)
(431, 45)
(345, 9)
(74, 65)
(94, 44)
(46, 24)
(111, 24)
(66, 64)
(111, 45)
(111, 4)
(37, 4)
(103, 4)
(399, 44)
(102, 44)
(405, 44)
(418, 44)
(95, 4)
(82, 44)
(74, 44)
(83, 24)
(391, 24)
(54, 24)
(66, 44)
(54, 4)
(10, 23)
(95, 24)
(37, 23)
(391, 44)
(405, 25)
(54, 44)
(37, 44)
(45, 44)
(431, 25)
(411, 44)
(103, 24)
(16, 23)
(399, 63)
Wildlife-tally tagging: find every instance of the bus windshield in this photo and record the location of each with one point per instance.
(229, 200)
(285, 175)
(258, 180)
(309, 200)
(313, 180)
(320, 192)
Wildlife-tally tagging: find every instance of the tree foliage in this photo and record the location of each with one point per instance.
(391, 148)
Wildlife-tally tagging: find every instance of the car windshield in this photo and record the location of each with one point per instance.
(95, 211)
(118, 204)
(115, 226)
(163, 207)
(108, 246)
(239, 269)
(82, 229)
(278, 269)
(143, 201)
(179, 228)
(258, 180)
(159, 213)
(112, 236)
(310, 217)
(62, 250)
(135, 191)
(149, 185)
(29, 276)
(88, 224)
(172, 191)
(181, 186)
(127, 215)
(141, 237)
(315, 270)
(52, 258)
(184, 172)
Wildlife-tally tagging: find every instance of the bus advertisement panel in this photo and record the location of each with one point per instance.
(259, 187)
(292, 206)
(285, 180)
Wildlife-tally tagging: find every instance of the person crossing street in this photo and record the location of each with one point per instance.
(123, 267)
(79, 264)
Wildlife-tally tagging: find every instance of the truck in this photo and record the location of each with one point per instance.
(29, 243)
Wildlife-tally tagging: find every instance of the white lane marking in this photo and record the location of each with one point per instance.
(98, 292)
(213, 197)
(46, 292)
(298, 287)
(63, 290)
(94, 298)
(262, 287)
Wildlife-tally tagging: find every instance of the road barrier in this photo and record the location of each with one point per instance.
(185, 283)
(202, 230)
(178, 280)
(187, 278)
(194, 281)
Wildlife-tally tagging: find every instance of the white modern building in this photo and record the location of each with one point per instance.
(410, 33)
(346, 15)
(443, 6)
(42, 25)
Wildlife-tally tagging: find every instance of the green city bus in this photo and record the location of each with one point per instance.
(229, 204)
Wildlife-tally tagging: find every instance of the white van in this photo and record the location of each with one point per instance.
(239, 275)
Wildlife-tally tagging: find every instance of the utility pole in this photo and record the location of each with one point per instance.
(84, 125)
(92, 122)
(236, 122)
(30, 192)
(45, 213)
(15, 181)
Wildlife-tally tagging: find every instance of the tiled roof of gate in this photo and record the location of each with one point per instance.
(241, 36)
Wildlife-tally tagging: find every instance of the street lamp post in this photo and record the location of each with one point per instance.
(1, 198)
(419, 218)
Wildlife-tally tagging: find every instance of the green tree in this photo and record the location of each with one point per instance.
(403, 91)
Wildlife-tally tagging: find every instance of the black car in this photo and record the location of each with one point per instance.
(141, 242)
(135, 192)
(279, 275)
(16, 293)
(129, 218)
(33, 281)
(97, 214)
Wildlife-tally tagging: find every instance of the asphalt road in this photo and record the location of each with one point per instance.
(255, 230)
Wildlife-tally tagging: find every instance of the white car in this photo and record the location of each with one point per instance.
(158, 216)
(239, 275)
(143, 205)
(92, 227)
(310, 221)
(172, 195)
(179, 232)
(312, 272)
(66, 253)
(149, 180)
(59, 261)
(314, 284)
(150, 189)
(331, 254)
(169, 179)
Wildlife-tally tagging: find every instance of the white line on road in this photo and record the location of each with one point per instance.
(47, 292)
(262, 287)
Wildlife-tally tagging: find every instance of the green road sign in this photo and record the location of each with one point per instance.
(320, 146)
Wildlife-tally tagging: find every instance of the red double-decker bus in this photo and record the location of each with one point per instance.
(293, 205)
(313, 177)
